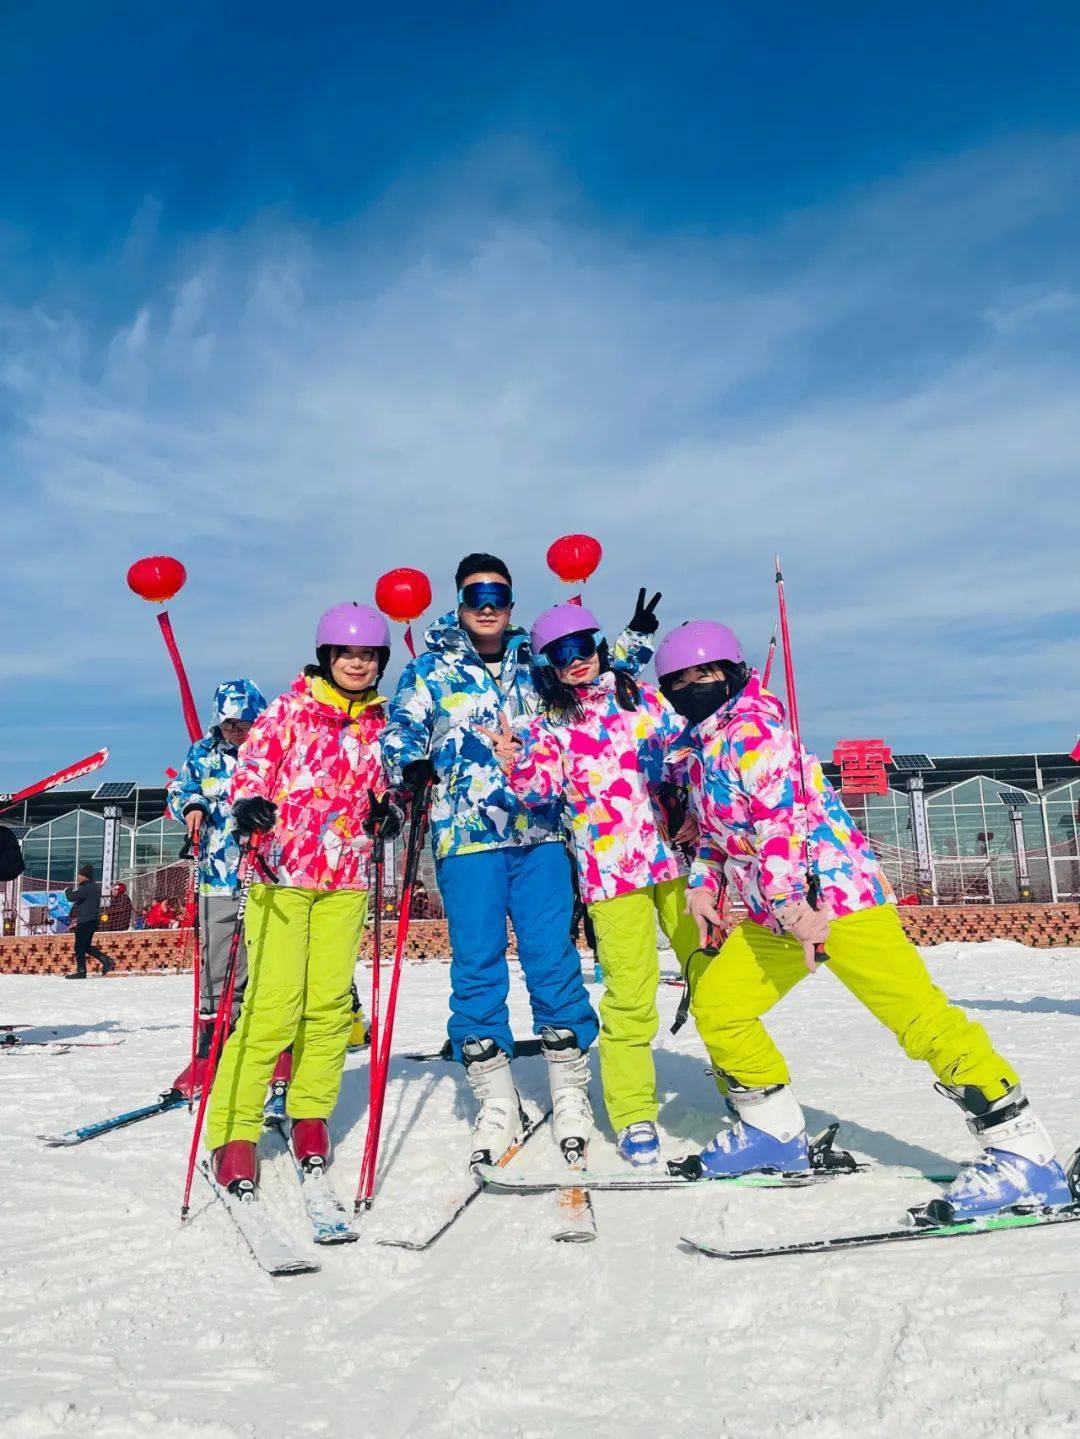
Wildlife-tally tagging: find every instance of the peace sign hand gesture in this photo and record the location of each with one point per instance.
(644, 621)
(503, 744)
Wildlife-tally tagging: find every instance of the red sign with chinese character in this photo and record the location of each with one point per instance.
(862, 766)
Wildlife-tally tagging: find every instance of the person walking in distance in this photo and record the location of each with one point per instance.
(85, 896)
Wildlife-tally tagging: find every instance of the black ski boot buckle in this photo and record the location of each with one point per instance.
(689, 1168)
(823, 1157)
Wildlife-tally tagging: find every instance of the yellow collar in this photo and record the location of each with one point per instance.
(328, 694)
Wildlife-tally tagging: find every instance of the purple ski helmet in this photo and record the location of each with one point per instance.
(696, 642)
(352, 624)
(562, 620)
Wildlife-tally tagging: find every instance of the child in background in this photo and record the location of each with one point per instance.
(199, 798)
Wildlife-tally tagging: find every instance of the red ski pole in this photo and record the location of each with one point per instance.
(770, 656)
(221, 1019)
(417, 825)
(378, 856)
(812, 884)
(193, 846)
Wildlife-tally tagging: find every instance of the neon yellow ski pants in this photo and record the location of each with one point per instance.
(871, 956)
(626, 949)
(302, 947)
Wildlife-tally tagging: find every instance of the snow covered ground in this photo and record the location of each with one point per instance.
(114, 1323)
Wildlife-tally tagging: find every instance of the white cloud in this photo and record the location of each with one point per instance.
(293, 412)
(1010, 317)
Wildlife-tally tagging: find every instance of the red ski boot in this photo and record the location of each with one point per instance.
(311, 1144)
(190, 1080)
(235, 1166)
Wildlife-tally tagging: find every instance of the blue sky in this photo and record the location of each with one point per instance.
(300, 297)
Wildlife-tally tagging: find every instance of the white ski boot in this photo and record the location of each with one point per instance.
(568, 1075)
(1017, 1170)
(499, 1123)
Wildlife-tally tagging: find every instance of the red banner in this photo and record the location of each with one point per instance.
(862, 766)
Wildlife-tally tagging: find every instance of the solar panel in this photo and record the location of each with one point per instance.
(1016, 798)
(909, 763)
(20, 831)
(116, 789)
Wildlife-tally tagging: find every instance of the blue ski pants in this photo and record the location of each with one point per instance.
(531, 884)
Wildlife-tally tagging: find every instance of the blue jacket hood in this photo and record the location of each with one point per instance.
(236, 700)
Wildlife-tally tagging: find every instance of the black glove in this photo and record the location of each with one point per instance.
(417, 773)
(643, 620)
(253, 815)
(383, 818)
(672, 800)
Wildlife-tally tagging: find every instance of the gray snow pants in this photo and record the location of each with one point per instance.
(217, 923)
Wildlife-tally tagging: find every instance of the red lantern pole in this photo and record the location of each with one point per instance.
(158, 578)
(187, 699)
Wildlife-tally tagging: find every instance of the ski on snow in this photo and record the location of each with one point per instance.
(453, 1209)
(927, 1221)
(329, 1219)
(171, 1099)
(826, 1164)
(996, 1224)
(576, 1216)
(60, 1045)
(523, 1049)
(270, 1251)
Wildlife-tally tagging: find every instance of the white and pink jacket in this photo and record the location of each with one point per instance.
(317, 758)
(742, 771)
(605, 767)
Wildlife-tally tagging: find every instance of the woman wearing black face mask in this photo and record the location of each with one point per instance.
(770, 821)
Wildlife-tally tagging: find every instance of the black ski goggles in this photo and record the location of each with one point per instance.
(486, 594)
(562, 652)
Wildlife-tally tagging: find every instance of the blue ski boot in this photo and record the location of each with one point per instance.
(274, 1108)
(639, 1143)
(775, 1142)
(1016, 1172)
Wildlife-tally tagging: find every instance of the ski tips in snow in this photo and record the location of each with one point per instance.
(171, 1099)
(458, 1204)
(574, 1207)
(270, 1251)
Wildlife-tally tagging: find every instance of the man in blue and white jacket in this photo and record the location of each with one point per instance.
(495, 858)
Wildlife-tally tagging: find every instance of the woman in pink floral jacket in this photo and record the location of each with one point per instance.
(303, 783)
(600, 742)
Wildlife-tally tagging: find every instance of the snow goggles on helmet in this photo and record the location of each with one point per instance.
(486, 594)
(564, 651)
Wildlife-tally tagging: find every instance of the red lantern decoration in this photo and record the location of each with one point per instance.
(157, 578)
(574, 558)
(403, 595)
